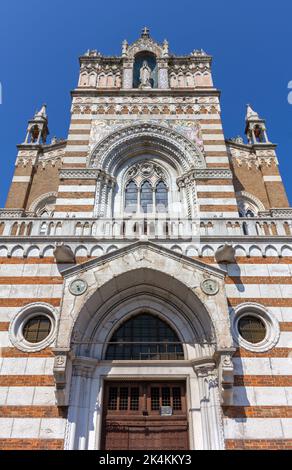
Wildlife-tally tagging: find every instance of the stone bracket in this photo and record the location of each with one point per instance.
(226, 375)
(62, 374)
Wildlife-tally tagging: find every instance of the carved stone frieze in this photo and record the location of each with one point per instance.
(188, 152)
(252, 159)
(145, 99)
(145, 108)
(102, 128)
(85, 173)
(207, 173)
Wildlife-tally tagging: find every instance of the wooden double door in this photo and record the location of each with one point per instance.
(145, 416)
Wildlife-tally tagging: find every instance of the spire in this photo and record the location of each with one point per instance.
(37, 130)
(255, 128)
(145, 32)
(42, 112)
(250, 113)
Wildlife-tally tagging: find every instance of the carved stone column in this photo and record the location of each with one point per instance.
(80, 404)
(97, 198)
(128, 74)
(163, 81)
(211, 415)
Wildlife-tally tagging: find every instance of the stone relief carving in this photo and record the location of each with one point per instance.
(252, 159)
(102, 128)
(146, 99)
(146, 169)
(145, 108)
(167, 136)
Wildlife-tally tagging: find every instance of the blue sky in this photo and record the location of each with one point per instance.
(40, 43)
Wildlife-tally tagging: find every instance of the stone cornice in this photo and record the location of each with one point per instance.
(11, 213)
(284, 212)
(234, 239)
(204, 173)
(43, 147)
(144, 245)
(85, 173)
(183, 92)
(250, 147)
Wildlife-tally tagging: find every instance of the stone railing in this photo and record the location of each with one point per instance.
(125, 228)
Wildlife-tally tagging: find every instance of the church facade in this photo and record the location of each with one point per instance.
(145, 269)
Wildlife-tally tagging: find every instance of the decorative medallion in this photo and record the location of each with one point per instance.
(210, 286)
(78, 287)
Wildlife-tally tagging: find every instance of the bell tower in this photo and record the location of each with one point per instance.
(255, 128)
(37, 130)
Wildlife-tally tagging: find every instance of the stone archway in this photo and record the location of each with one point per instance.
(160, 141)
(138, 277)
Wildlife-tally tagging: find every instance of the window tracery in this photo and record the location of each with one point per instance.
(146, 190)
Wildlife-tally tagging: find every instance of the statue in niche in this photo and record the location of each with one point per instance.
(145, 75)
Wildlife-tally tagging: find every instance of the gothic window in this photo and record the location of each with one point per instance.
(144, 336)
(161, 199)
(146, 198)
(131, 197)
(146, 190)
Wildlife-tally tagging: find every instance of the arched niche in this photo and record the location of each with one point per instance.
(140, 58)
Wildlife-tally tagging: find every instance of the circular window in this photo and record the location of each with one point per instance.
(36, 329)
(252, 329)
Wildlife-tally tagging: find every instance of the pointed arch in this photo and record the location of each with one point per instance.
(128, 141)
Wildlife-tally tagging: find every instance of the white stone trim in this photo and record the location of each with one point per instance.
(212, 137)
(21, 179)
(27, 312)
(213, 188)
(35, 428)
(77, 188)
(217, 202)
(217, 159)
(75, 159)
(258, 428)
(214, 148)
(74, 202)
(270, 322)
(272, 178)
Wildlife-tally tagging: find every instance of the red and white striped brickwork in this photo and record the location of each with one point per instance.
(260, 416)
